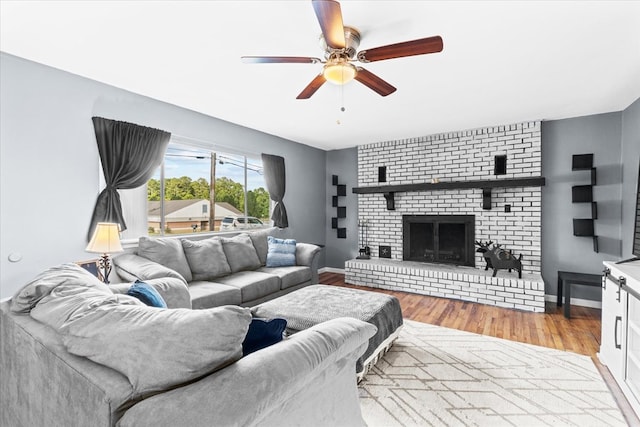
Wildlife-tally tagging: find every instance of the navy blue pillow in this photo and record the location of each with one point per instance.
(147, 294)
(263, 333)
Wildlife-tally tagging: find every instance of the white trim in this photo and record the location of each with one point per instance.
(576, 301)
(5, 299)
(212, 146)
(331, 270)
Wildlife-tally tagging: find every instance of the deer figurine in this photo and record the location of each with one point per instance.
(483, 248)
(499, 259)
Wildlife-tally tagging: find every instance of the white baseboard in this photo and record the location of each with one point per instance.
(331, 270)
(576, 301)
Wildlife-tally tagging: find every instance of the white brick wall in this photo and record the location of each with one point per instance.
(458, 156)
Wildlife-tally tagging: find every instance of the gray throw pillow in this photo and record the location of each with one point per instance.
(259, 240)
(240, 252)
(206, 258)
(167, 252)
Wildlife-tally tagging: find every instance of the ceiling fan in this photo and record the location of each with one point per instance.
(340, 43)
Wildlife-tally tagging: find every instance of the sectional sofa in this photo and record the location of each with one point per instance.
(76, 352)
(231, 269)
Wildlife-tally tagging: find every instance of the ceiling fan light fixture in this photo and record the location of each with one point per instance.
(339, 73)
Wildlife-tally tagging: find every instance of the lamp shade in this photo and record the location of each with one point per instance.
(106, 239)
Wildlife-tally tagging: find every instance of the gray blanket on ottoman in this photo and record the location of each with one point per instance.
(315, 304)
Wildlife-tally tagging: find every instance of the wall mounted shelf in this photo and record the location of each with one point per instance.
(485, 184)
(341, 211)
(584, 194)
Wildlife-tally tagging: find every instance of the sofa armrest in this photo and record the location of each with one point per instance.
(131, 267)
(308, 254)
(173, 291)
(307, 379)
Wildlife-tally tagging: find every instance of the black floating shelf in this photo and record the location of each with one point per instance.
(582, 194)
(453, 185)
(341, 211)
(581, 162)
(485, 184)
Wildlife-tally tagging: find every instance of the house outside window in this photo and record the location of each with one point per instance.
(185, 178)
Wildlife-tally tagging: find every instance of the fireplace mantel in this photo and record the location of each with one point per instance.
(485, 184)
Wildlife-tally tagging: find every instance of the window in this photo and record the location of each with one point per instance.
(187, 178)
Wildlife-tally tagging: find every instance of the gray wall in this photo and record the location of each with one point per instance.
(343, 163)
(630, 160)
(600, 135)
(49, 163)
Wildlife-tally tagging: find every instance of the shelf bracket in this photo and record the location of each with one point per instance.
(391, 201)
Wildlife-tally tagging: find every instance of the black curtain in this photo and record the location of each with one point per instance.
(274, 177)
(129, 154)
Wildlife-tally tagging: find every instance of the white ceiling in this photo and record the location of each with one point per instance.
(503, 62)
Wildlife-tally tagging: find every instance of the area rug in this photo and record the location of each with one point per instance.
(435, 376)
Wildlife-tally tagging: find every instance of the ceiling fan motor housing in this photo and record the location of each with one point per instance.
(352, 41)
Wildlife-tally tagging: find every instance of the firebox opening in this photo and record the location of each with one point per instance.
(442, 239)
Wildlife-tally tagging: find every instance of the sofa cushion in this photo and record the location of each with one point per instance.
(281, 252)
(147, 294)
(30, 294)
(240, 252)
(289, 276)
(167, 252)
(259, 240)
(252, 284)
(171, 346)
(206, 258)
(211, 294)
(263, 333)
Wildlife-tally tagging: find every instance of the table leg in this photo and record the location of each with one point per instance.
(559, 292)
(567, 301)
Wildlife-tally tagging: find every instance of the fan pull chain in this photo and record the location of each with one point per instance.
(341, 102)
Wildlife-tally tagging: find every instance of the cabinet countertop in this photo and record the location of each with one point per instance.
(630, 270)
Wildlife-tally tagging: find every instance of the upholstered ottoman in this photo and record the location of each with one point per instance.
(318, 303)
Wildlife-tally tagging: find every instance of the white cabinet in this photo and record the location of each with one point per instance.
(620, 340)
(614, 304)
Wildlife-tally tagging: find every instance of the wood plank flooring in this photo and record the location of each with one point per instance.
(580, 334)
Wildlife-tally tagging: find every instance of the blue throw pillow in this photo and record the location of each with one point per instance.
(147, 294)
(281, 252)
(263, 333)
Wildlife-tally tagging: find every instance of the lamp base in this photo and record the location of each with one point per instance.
(104, 268)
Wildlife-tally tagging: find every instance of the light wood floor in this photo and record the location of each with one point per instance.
(580, 334)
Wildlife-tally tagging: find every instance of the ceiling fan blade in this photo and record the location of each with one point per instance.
(374, 82)
(312, 87)
(399, 50)
(330, 18)
(279, 60)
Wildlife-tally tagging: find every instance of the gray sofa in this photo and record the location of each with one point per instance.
(221, 270)
(74, 353)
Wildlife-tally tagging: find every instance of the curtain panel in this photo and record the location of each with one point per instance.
(274, 177)
(129, 154)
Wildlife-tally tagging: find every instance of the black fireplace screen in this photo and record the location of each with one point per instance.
(445, 239)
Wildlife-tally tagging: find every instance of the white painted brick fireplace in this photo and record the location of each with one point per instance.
(453, 157)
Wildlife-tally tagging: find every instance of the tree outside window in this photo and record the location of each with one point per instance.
(186, 176)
